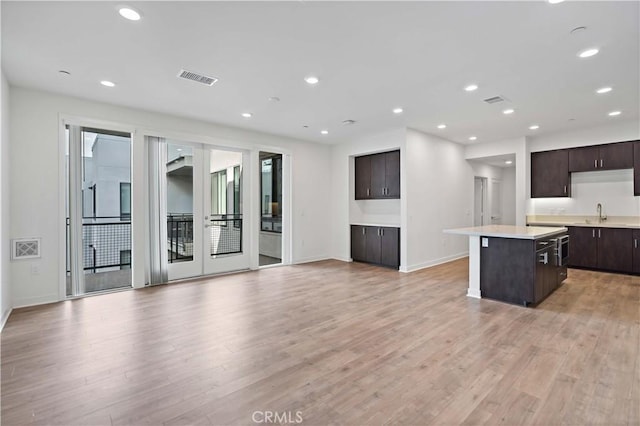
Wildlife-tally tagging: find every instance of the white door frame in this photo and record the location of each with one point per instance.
(65, 120)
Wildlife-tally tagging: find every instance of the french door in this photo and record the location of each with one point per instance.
(202, 199)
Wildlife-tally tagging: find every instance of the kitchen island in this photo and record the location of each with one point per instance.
(515, 264)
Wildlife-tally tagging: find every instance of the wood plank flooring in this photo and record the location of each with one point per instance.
(334, 342)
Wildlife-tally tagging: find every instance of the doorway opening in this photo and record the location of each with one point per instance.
(479, 200)
(270, 237)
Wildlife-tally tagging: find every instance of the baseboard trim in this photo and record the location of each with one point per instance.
(34, 301)
(432, 263)
(342, 259)
(310, 259)
(5, 317)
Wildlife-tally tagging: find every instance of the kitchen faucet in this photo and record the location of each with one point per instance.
(600, 217)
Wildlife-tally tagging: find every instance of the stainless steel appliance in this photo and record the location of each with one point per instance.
(561, 255)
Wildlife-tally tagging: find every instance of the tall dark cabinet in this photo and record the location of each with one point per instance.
(378, 176)
(550, 174)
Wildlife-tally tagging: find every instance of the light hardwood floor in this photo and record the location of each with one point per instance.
(340, 343)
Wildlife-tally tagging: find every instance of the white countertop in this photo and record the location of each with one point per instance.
(508, 231)
(604, 224)
(381, 225)
(632, 222)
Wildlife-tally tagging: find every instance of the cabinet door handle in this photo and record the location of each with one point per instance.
(635, 243)
(593, 233)
(363, 229)
(599, 235)
(381, 232)
(601, 163)
(565, 189)
(595, 163)
(367, 192)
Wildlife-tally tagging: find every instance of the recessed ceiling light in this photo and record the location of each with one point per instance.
(471, 87)
(473, 138)
(534, 127)
(348, 122)
(247, 115)
(508, 162)
(397, 110)
(305, 126)
(179, 150)
(324, 132)
(442, 126)
(107, 83)
(604, 90)
(614, 113)
(64, 72)
(555, 1)
(128, 13)
(508, 111)
(588, 53)
(274, 99)
(312, 79)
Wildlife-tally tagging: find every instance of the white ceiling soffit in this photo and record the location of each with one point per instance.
(371, 57)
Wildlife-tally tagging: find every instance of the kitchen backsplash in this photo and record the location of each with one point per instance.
(613, 189)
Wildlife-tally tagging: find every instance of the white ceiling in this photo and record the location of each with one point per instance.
(369, 56)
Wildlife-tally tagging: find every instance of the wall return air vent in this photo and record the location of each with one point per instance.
(198, 78)
(25, 248)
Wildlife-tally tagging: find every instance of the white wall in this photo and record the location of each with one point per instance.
(343, 209)
(509, 196)
(35, 186)
(5, 276)
(613, 189)
(517, 146)
(439, 195)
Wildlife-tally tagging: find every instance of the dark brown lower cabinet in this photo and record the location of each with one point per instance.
(518, 271)
(583, 248)
(379, 245)
(609, 249)
(636, 251)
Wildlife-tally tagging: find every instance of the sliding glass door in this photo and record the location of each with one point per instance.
(98, 210)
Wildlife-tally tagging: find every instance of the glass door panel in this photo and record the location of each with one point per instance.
(224, 223)
(183, 253)
(98, 206)
(270, 240)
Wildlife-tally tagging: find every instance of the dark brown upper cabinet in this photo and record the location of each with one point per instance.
(601, 157)
(636, 168)
(378, 176)
(550, 174)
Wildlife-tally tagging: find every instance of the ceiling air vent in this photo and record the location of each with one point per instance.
(25, 248)
(494, 100)
(199, 78)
